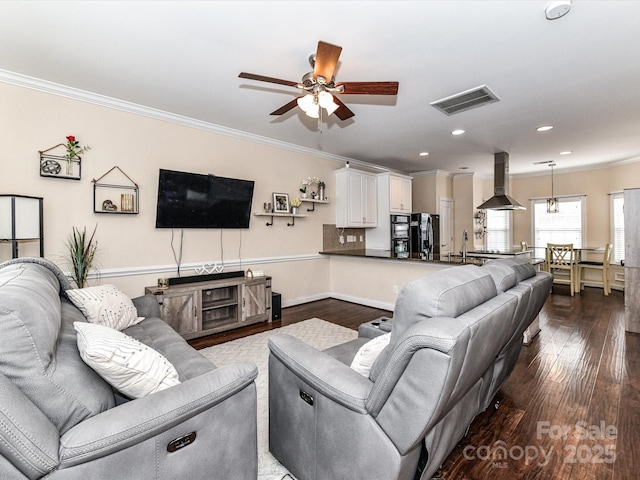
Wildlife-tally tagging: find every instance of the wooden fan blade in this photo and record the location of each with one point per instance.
(342, 112)
(285, 108)
(370, 88)
(262, 78)
(327, 57)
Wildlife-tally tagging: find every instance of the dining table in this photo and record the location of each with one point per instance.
(578, 258)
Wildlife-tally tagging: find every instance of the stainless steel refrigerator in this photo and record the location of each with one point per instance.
(425, 236)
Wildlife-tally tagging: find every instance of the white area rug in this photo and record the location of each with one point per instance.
(315, 332)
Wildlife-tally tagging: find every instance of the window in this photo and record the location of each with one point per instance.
(566, 226)
(617, 226)
(498, 230)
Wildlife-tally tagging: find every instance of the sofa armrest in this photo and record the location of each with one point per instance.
(147, 306)
(138, 420)
(329, 376)
(28, 439)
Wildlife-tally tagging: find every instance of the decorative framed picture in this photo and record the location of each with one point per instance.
(281, 203)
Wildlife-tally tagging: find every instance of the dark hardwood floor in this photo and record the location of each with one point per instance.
(569, 411)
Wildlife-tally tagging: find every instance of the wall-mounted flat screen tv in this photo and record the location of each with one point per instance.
(192, 200)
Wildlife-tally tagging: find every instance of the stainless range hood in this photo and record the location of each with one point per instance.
(501, 200)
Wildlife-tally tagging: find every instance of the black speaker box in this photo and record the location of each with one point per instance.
(205, 278)
(276, 306)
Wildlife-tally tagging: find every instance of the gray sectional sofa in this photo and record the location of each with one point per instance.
(454, 340)
(61, 420)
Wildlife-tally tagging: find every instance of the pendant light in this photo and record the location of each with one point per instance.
(552, 202)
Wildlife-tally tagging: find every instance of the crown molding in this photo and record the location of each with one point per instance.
(137, 109)
(430, 173)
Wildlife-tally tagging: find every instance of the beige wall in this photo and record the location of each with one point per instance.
(132, 253)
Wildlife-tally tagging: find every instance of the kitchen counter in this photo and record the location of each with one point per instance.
(389, 255)
(477, 257)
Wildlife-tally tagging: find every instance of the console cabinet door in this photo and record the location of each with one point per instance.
(179, 310)
(256, 301)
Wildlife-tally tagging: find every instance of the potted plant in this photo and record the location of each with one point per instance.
(295, 205)
(308, 182)
(82, 250)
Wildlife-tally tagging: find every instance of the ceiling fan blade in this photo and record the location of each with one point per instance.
(370, 88)
(327, 57)
(262, 78)
(285, 108)
(342, 112)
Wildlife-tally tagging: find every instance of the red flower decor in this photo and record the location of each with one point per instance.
(73, 147)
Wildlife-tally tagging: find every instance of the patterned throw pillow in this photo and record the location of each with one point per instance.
(105, 305)
(368, 353)
(127, 364)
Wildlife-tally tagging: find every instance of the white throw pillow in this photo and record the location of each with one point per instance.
(367, 354)
(127, 364)
(105, 305)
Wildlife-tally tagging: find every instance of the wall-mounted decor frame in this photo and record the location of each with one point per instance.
(280, 203)
(60, 166)
(121, 197)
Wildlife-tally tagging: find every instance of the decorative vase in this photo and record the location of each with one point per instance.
(321, 193)
(294, 210)
(69, 166)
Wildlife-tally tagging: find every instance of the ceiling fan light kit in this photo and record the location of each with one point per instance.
(320, 86)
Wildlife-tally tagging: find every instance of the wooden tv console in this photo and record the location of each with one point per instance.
(202, 308)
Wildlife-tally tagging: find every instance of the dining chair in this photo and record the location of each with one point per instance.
(561, 262)
(602, 266)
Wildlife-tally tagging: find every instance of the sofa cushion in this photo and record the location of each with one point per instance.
(130, 366)
(158, 335)
(38, 351)
(368, 353)
(521, 266)
(105, 305)
(503, 275)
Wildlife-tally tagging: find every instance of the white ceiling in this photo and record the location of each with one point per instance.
(580, 73)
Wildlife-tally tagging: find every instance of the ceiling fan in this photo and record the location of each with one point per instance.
(320, 86)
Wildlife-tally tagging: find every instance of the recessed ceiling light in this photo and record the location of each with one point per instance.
(557, 9)
(544, 128)
(458, 132)
(566, 152)
(423, 154)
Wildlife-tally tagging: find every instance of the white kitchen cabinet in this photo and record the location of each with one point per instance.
(356, 199)
(399, 187)
(394, 197)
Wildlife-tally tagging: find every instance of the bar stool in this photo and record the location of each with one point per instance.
(561, 262)
(602, 266)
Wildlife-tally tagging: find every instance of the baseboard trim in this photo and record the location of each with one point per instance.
(364, 301)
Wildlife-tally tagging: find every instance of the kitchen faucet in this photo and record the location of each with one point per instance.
(463, 250)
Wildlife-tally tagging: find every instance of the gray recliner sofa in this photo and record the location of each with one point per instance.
(453, 340)
(60, 420)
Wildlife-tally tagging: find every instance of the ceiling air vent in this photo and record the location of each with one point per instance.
(460, 102)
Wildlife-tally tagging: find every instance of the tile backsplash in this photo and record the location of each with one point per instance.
(331, 238)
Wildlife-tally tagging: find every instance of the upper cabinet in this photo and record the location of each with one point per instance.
(356, 199)
(399, 188)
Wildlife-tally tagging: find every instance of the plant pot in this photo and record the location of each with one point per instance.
(294, 210)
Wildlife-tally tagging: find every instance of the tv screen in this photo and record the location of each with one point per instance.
(191, 200)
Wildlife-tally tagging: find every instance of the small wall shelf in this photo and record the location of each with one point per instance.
(313, 201)
(128, 195)
(60, 166)
(287, 215)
